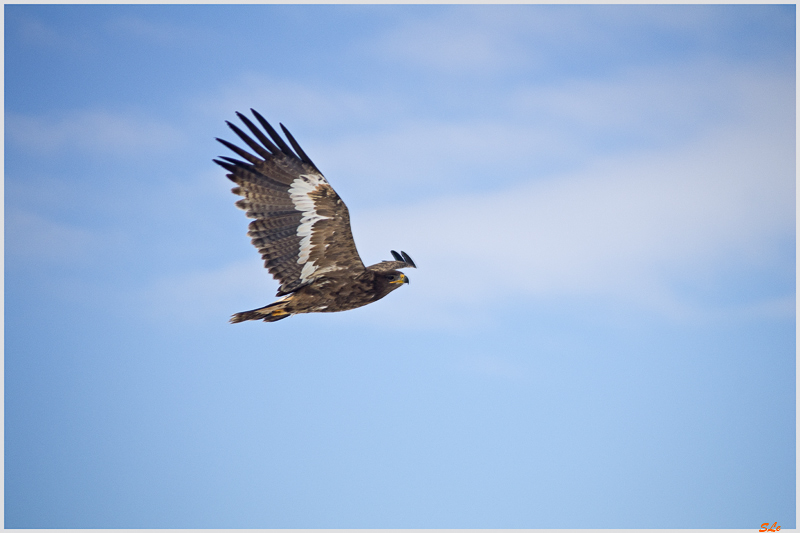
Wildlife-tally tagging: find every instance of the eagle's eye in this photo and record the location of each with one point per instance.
(398, 277)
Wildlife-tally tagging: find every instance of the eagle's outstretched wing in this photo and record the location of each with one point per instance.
(401, 261)
(301, 226)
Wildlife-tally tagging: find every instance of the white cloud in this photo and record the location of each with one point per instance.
(92, 131)
(449, 44)
(428, 154)
(210, 293)
(34, 31)
(487, 40)
(537, 130)
(623, 228)
(478, 39)
(32, 237)
(291, 102)
(158, 32)
(661, 103)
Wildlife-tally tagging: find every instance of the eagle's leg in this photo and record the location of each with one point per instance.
(271, 313)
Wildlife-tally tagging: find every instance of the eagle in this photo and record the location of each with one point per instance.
(301, 229)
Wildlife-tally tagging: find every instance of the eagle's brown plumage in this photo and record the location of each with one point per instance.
(301, 229)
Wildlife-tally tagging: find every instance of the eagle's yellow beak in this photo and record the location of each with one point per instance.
(402, 279)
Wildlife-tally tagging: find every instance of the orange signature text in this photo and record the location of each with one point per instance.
(766, 527)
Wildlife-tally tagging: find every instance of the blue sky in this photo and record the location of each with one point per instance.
(600, 333)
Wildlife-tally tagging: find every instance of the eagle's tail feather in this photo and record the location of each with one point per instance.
(271, 313)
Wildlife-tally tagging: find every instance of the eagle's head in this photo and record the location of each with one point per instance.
(386, 275)
(386, 282)
(396, 277)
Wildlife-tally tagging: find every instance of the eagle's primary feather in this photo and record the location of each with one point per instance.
(301, 229)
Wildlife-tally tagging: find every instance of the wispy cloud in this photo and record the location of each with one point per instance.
(433, 157)
(92, 131)
(38, 33)
(623, 228)
(539, 130)
(157, 32)
(194, 297)
(660, 103)
(479, 39)
(291, 102)
(490, 40)
(32, 237)
(452, 43)
(34, 31)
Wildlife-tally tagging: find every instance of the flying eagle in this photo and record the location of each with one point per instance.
(302, 229)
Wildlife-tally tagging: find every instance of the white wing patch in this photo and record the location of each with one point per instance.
(300, 192)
